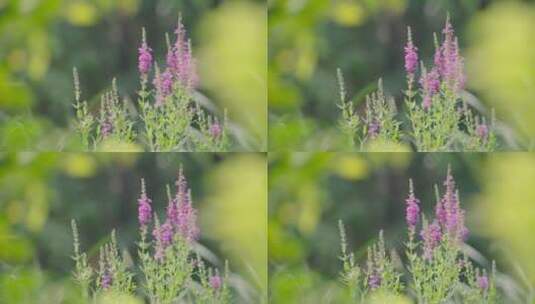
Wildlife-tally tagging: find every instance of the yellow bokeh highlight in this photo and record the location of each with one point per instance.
(117, 146)
(384, 298)
(386, 146)
(79, 165)
(309, 208)
(129, 7)
(39, 54)
(350, 166)
(233, 63)
(501, 62)
(506, 207)
(36, 198)
(114, 297)
(235, 213)
(81, 13)
(348, 13)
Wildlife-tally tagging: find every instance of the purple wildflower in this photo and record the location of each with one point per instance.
(430, 83)
(163, 82)
(483, 282)
(164, 237)
(106, 128)
(412, 209)
(482, 131)
(451, 62)
(215, 130)
(166, 83)
(374, 280)
(452, 218)
(145, 57)
(411, 55)
(182, 186)
(106, 280)
(431, 236)
(181, 215)
(215, 282)
(180, 32)
(438, 60)
(440, 212)
(374, 128)
(166, 234)
(181, 60)
(144, 207)
(433, 82)
(427, 101)
(172, 60)
(172, 212)
(187, 220)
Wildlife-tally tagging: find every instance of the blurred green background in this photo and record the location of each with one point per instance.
(310, 192)
(42, 40)
(310, 39)
(41, 192)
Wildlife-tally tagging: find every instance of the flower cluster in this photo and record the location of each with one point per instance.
(441, 121)
(170, 267)
(169, 119)
(378, 124)
(180, 220)
(438, 270)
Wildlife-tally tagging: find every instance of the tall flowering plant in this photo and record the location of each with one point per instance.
(437, 269)
(438, 117)
(378, 123)
(170, 119)
(171, 269)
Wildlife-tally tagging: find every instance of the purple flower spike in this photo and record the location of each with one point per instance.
(449, 62)
(440, 213)
(172, 60)
(180, 59)
(215, 282)
(433, 82)
(374, 128)
(452, 216)
(431, 236)
(166, 83)
(374, 280)
(166, 234)
(106, 128)
(144, 207)
(145, 57)
(215, 130)
(411, 55)
(483, 282)
(187, 220)
(430, 83)
(482, 132)
(182, 187)
(172, 212)
(412, 210)
(438, 60)
(163, 236)
(106, 280)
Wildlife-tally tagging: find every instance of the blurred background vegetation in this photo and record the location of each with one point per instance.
(310, 39)
(42, 40)
(41, 192)
(309, 193)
